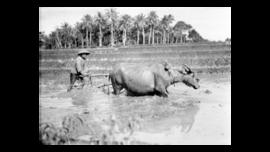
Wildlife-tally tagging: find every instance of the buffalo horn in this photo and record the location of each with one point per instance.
(186, 68)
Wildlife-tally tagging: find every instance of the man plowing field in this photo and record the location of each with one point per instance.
(79, 71)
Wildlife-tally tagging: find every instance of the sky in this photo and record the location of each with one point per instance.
(212, 23)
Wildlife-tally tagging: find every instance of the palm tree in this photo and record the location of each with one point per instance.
(112, 16)
(88, 25)
(100, 20)
(140, 23)
(66, 34)
(136, 23)
(165, 22)
(58, 37)
(159, 32)
(125, 24)
(148, 25)
(78, 33)
(170, 34)
(152, 20)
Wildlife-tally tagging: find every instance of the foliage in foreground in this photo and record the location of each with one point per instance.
(75, 125)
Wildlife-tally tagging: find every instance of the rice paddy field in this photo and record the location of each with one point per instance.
(186, 117)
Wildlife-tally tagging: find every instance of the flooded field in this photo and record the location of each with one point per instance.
(187, 116)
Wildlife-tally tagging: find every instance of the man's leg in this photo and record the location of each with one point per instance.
(72, 81)
(84, 81)
(81, 83)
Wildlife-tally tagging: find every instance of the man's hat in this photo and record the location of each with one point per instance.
(83, 52)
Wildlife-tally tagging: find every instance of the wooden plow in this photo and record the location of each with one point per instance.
(96, 75)
(102, 85)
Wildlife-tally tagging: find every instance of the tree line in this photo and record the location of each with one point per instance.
(111, 29)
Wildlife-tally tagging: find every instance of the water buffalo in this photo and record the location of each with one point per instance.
(150, 79)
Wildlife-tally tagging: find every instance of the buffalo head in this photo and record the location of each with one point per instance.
(185, 75)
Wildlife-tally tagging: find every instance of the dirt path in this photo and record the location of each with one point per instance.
(188, 116)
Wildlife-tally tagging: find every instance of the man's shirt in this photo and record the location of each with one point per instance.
(79, 66)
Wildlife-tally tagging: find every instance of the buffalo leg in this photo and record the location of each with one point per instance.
(167, 91)
(117, 89)
(164, 94)
(159, 87)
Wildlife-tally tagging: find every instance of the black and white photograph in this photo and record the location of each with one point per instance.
(135, 75)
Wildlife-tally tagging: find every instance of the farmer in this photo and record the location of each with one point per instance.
(79, 71)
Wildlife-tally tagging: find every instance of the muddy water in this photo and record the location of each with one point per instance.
(187, 116)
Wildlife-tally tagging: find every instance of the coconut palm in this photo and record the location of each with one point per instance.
(170, 34)
(125, 24)
(88, 25)
(112, 16)
(58, 37)
(66, 34)
(100, 21)
(140, 23)
(78, 32)
(149, 27)
(165, 22)
(170, 19)
(137, 26)
(157, 32)
(152, 21)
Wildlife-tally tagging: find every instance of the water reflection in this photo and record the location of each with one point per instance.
(187, 118)
(155, 113)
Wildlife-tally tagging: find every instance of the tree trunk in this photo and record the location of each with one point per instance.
(143, 36)
(124, 37)
(181, 41)
(57, 40)
(168, 38)
(153, 37)
(138, 36)
(86, 38)
(56, 43)
(82, 42)
(90, 38)
(164, 37)
(149, 36)
(100, 36)
(112, 40)
(59, 43)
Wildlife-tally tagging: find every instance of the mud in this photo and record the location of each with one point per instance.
(187, 116)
